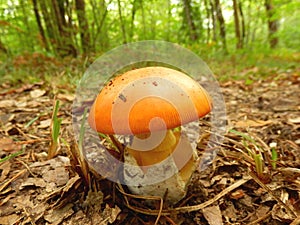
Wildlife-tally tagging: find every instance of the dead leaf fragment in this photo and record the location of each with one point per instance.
(9, 219)
(37, 93)
(213, 215)
(44, 123)
(294, 120)
(4, 168)
(252, 123)
(7, 103)
(111, 214)
(68, 97)
(8, 145)
(32, 181)
(59, 176)
(56, 216)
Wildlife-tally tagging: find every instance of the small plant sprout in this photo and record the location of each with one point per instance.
(54, 130)
(150, 104)
(254, 150)
(76, 150)
(273, 146)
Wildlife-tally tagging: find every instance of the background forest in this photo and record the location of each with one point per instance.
(73, 27)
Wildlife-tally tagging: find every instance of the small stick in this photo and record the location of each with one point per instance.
(271, 192)
(185, 208)
(296, 221)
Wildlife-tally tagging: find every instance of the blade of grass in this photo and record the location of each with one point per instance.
(13, 155)
(55, 130)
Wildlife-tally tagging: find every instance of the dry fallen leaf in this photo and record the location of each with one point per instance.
(213, 215)
(252, 123)
(68, 97)
(7, 103)
(4, 168)
(44, 124)
(9, 219)
(111, 214)
(32, 181)
(56, 216)
(37, 93)
(8, 145)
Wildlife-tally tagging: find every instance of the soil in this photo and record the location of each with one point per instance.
(254, 178)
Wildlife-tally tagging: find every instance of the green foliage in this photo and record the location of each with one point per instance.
(144, 20)
(55, 130)
(11, 156)
(24, 56)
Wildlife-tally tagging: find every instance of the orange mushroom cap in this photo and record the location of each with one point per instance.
(132, 102)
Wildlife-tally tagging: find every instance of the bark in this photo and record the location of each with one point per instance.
(272, 23)
(214, 20)
(3, 48)
(122, 24)
(98, 27)
(39, 24)
(83, 26)
(239, 43)
(208, 29)
(190, 21)
(64, 40)
(133, 12)
(221, 24)
(242, 22)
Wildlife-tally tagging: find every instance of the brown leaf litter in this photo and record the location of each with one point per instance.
(262, 118)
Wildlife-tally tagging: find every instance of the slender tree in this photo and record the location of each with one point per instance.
(272, 23)
(221, 21)
(214, 20)
(99, 29)
(83, 26)
(39, 24)
(3, 48)
(122, 24)
(239, 42)
(133, 12)
(208, 28)
(243, 26)
(190, 20)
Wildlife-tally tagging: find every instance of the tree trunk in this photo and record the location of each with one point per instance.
(222, 24)
(190, 21)
(214, 20)
(122, 24)
(239, 43)
(133, 11)
(83, 26)
(99, 26)
(3, 48)
(242, 22)
(272, 23)
(208, 29)
(50, 27)
(40, 26)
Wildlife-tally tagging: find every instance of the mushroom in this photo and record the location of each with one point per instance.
(150, 104)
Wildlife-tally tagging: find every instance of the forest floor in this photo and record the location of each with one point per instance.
(254, 179)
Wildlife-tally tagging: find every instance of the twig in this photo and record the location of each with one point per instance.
(12, 179)
(296, 221)
(159, 212)
(260, 219)
(27, 167)
(271, 192)
(186, 208)
(170, 220)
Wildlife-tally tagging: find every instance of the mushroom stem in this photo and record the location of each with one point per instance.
(172, 141)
